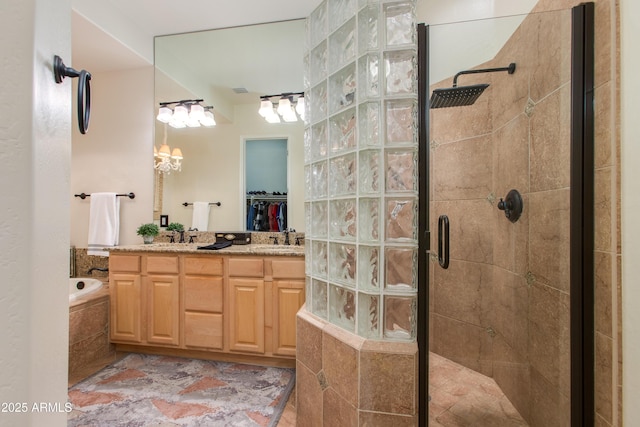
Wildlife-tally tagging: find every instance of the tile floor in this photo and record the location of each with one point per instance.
(461, 397)
(288, 417)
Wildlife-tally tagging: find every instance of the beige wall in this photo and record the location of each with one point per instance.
(213, 169)
(630, 201)
(35, 129)
(116, 154)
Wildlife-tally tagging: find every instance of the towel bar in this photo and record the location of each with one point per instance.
(210, 203)
(84, 196)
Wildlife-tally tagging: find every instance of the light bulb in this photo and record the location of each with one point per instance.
(164, 114)
(197, 112)
(208, 119)
(300, 107)
(290, 116)
(180, 113)
(164, 151)
(176, 153)
(192, 122)
(177, 124)
(273, 117)
(266, 107)
(284, 106)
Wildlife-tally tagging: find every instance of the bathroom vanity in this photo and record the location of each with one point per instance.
(237, 303)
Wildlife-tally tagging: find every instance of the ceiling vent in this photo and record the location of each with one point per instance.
(240, 90)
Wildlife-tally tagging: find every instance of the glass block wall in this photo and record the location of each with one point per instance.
(361, 166)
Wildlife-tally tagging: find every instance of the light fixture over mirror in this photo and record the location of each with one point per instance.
(282, 107)
(186, 113)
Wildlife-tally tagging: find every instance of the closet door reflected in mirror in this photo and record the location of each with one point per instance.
(266, 185)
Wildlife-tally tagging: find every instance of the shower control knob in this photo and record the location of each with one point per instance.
(511, 205)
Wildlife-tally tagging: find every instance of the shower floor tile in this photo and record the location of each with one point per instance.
(461, 397)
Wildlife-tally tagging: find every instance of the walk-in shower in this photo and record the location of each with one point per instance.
(501, 318)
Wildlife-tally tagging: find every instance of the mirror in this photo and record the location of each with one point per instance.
(229, 69)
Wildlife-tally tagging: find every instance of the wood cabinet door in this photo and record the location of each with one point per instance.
(246, 315)
(126, 307)
(163, 296)
(288, 297)
(203, 330)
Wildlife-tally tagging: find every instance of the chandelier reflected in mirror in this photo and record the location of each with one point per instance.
(165, 159)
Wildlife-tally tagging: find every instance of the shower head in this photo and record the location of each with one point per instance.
(458, 96)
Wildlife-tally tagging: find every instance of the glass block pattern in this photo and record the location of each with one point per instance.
(400, 72)
(401, 168)
(343, 131)
(361, 166)
(342, 307)
(343, 219)
(342, 89)
(343, 175)
(369, 224)
(318, 63)
(342, 264)
(319, 259)
(342, 45)
(319, 141)
(319, 298)
(369, 118)
(369, 76)
(368, 315)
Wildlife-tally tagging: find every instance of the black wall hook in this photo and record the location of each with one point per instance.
(60, 71)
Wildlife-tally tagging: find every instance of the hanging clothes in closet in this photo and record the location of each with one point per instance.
(266, 215)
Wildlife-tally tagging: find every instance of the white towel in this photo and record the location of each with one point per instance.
(200, 218)
(104, 223)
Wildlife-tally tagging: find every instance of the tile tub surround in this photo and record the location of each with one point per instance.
(346, 380)
(89, 331)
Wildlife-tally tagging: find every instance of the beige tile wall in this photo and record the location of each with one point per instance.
(346, 380)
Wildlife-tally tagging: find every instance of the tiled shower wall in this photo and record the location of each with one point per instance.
(502, 307)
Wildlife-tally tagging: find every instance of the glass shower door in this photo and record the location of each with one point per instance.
(499, 301)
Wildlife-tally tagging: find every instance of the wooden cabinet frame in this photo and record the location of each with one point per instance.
(212, 306)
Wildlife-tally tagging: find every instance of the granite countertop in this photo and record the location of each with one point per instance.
(192, 248)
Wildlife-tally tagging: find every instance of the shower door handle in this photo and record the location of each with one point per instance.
(443, 241)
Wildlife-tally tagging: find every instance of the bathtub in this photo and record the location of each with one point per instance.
(82, 286)
(88, 325)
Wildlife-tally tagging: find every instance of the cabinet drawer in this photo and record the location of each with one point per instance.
(204, 266)
(124, 263)
(203, 330)
(162, 264)
(288, 268)
(246, 267)
(203, 294)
